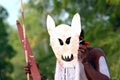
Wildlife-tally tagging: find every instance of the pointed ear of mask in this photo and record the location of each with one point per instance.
(76, 24)
(50, 24)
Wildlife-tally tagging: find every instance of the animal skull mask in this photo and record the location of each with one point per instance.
(64, 40)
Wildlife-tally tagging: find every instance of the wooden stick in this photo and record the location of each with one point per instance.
(23, 25)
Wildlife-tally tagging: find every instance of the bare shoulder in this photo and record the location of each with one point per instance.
(99, 51)
(95, 53)
(94, 57)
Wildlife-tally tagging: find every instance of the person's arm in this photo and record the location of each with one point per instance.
(92, 74)
(101, 73)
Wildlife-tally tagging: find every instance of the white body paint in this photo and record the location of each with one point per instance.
(103, 66)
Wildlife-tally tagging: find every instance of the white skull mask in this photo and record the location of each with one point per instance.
(64, 40)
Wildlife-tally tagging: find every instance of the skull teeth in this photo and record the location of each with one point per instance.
(67, 57)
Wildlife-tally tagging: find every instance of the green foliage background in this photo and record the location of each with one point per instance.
(100, 20)
(6, 50)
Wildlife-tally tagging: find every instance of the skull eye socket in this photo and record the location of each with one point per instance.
(60, 41)
(68, 40)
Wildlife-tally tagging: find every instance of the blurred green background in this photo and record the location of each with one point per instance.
(100, 21)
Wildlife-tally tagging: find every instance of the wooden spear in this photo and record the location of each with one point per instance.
(24, 34)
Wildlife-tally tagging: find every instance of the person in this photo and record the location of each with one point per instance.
(93, 60)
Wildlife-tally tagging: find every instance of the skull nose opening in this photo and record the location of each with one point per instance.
(67, 58)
